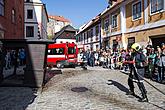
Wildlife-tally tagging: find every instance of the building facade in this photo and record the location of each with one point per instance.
(131, 21)
(66, 35)
(145, 22)
(11, 19)
(56, 23)
(125, 22)
(36, 19)
(90, 35)
(111, 31)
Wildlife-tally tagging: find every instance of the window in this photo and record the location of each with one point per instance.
(131, 41)
(106, 24)
(114, 21)
(29, 14)
(2, 7)
(71, 50)
(29, 31)
(80, 37)
(13, 16)
(88, 35)
(91, 33)
(115, 45)
(56, 51)
(157, 5)
(97, 30)
(27, 0)
(84, 37)
(136, 10)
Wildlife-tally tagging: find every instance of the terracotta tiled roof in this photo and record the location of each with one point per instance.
(59, 18)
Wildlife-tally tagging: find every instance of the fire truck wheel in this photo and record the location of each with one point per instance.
(73, 65)
(60, 65)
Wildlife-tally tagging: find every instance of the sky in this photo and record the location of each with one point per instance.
(78, 12)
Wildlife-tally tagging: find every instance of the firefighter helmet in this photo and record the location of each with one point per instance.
(136, 46)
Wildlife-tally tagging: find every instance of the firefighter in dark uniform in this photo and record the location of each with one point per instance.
(137, 63)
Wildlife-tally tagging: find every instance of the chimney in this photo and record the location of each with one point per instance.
(111, 2)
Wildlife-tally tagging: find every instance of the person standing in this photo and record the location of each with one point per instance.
(7, 60)
(162, 65)
(151, 63)
(137, 62)
(22, 57)
(96, 55)
(1, 64)
(91, 58)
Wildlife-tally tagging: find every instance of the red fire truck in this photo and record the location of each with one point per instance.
(62, 54)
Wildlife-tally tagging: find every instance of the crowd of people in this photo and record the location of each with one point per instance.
(116, 58)
(14, 58)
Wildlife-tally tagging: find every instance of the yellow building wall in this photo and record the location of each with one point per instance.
(156, 16)
(143, 36)
(129, 21)
(111, 39)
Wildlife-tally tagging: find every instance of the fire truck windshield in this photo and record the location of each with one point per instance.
(71, 50)
(56, 51)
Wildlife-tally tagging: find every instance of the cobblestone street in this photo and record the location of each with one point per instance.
(94, 89)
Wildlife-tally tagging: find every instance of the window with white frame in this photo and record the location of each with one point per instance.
(157, 5)
(137, 10)
(114, 21)
(2, 7)
(106, 24)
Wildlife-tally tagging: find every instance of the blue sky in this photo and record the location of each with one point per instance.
(77, 11)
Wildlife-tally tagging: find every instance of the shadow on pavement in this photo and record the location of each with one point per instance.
(16, 98)
(118, 85)
(50, 74)
(121, 87)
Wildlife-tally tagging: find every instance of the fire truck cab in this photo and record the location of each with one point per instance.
(62, 54)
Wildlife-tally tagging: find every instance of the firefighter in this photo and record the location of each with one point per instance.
(137, 63)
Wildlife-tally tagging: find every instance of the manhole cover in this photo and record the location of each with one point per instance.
(79, 89)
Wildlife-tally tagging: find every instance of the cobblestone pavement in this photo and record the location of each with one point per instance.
(77, 89)
(103, 90)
